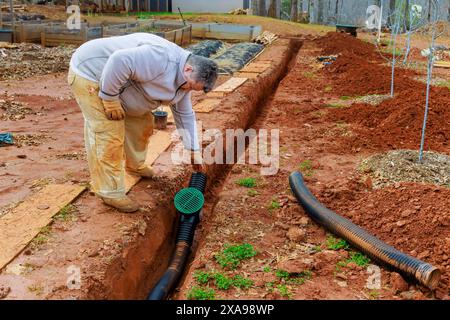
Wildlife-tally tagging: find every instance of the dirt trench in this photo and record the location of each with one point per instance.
(119, 256)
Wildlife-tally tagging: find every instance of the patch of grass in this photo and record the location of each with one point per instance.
(335, 105)
(282, 274)
(317, 248)
(222, 282)
(270, 286)
(345, 98)
(336, 244)
(247, 182)
(66, 213)
(309, 74)
(444, 84)
(37, 289)
(242, 282)
(284, 291)
(374, 295)
(252, 193)
(360, 259)
(328, 89)
(198, 293)
(306, 167)
(41, 238)
(267, 269)
(202, 277)
(274, 205)
(232, 255)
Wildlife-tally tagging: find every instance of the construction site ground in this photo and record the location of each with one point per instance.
(325, 131)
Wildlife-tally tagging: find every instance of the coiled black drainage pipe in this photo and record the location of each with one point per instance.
(185, 237)
(411, 267)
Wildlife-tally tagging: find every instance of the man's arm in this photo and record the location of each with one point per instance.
(184, 117)
(141, 64)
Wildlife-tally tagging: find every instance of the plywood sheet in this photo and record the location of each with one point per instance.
(256, 67)
(158, 143)
(231, 85)
(24, 222)
(249, 75)
(207, 105)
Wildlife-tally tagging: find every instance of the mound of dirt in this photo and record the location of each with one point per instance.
(341, 43)
(404, 166)
(411, 217)
(397, 123)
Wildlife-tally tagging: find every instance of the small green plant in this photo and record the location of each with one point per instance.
(202, 277)
(284, 291)
(41, 238)
(222, 282)
(336, 244)
(282, 274)
(317, 248)
(252, 193)
(306, 168)
(374, 295)
(241, 282)
(198, 293)
(309, 74)
(345, 98)
(37, 289)
(274, 204)
(247, 182)
(270, 286)
(359, 259)
(267, 269)
(328, 89)
(66, 213)
(232, 255)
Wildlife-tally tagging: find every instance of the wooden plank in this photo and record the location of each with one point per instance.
(231, 85)
(207, 105)
(23, 223)
(442, 64)
(256, 67)
(216, 94)
(158, 143)
(249, 75)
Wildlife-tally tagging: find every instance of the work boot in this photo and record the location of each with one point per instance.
(124, 204)
(146, 172)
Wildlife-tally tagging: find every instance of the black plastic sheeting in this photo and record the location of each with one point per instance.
(237, 56)
(207, 48)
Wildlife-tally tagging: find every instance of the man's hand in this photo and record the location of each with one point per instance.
(197, 161)
(113, 110)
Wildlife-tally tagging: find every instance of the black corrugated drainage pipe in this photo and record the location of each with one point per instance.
(411, 267)
(184, 200)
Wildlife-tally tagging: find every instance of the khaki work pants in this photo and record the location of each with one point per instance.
(111, 146)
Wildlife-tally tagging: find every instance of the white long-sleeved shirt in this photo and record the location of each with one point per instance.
(143, 71)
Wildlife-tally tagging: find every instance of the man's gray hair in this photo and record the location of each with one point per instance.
(204, 70)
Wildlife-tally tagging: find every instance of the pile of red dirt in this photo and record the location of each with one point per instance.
(411, 217)
(359, 68)
(341, 43)
(397, 123)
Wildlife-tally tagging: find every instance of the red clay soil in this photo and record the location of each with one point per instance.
(411, 217)
(397, 123)
(360, 69)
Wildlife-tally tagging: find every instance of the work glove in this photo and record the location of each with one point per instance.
(113, 110)
(197, 161)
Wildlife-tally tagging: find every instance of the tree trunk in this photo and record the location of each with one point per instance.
(294, 10)
(320, 12)
(272, 12)
(391, 12)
